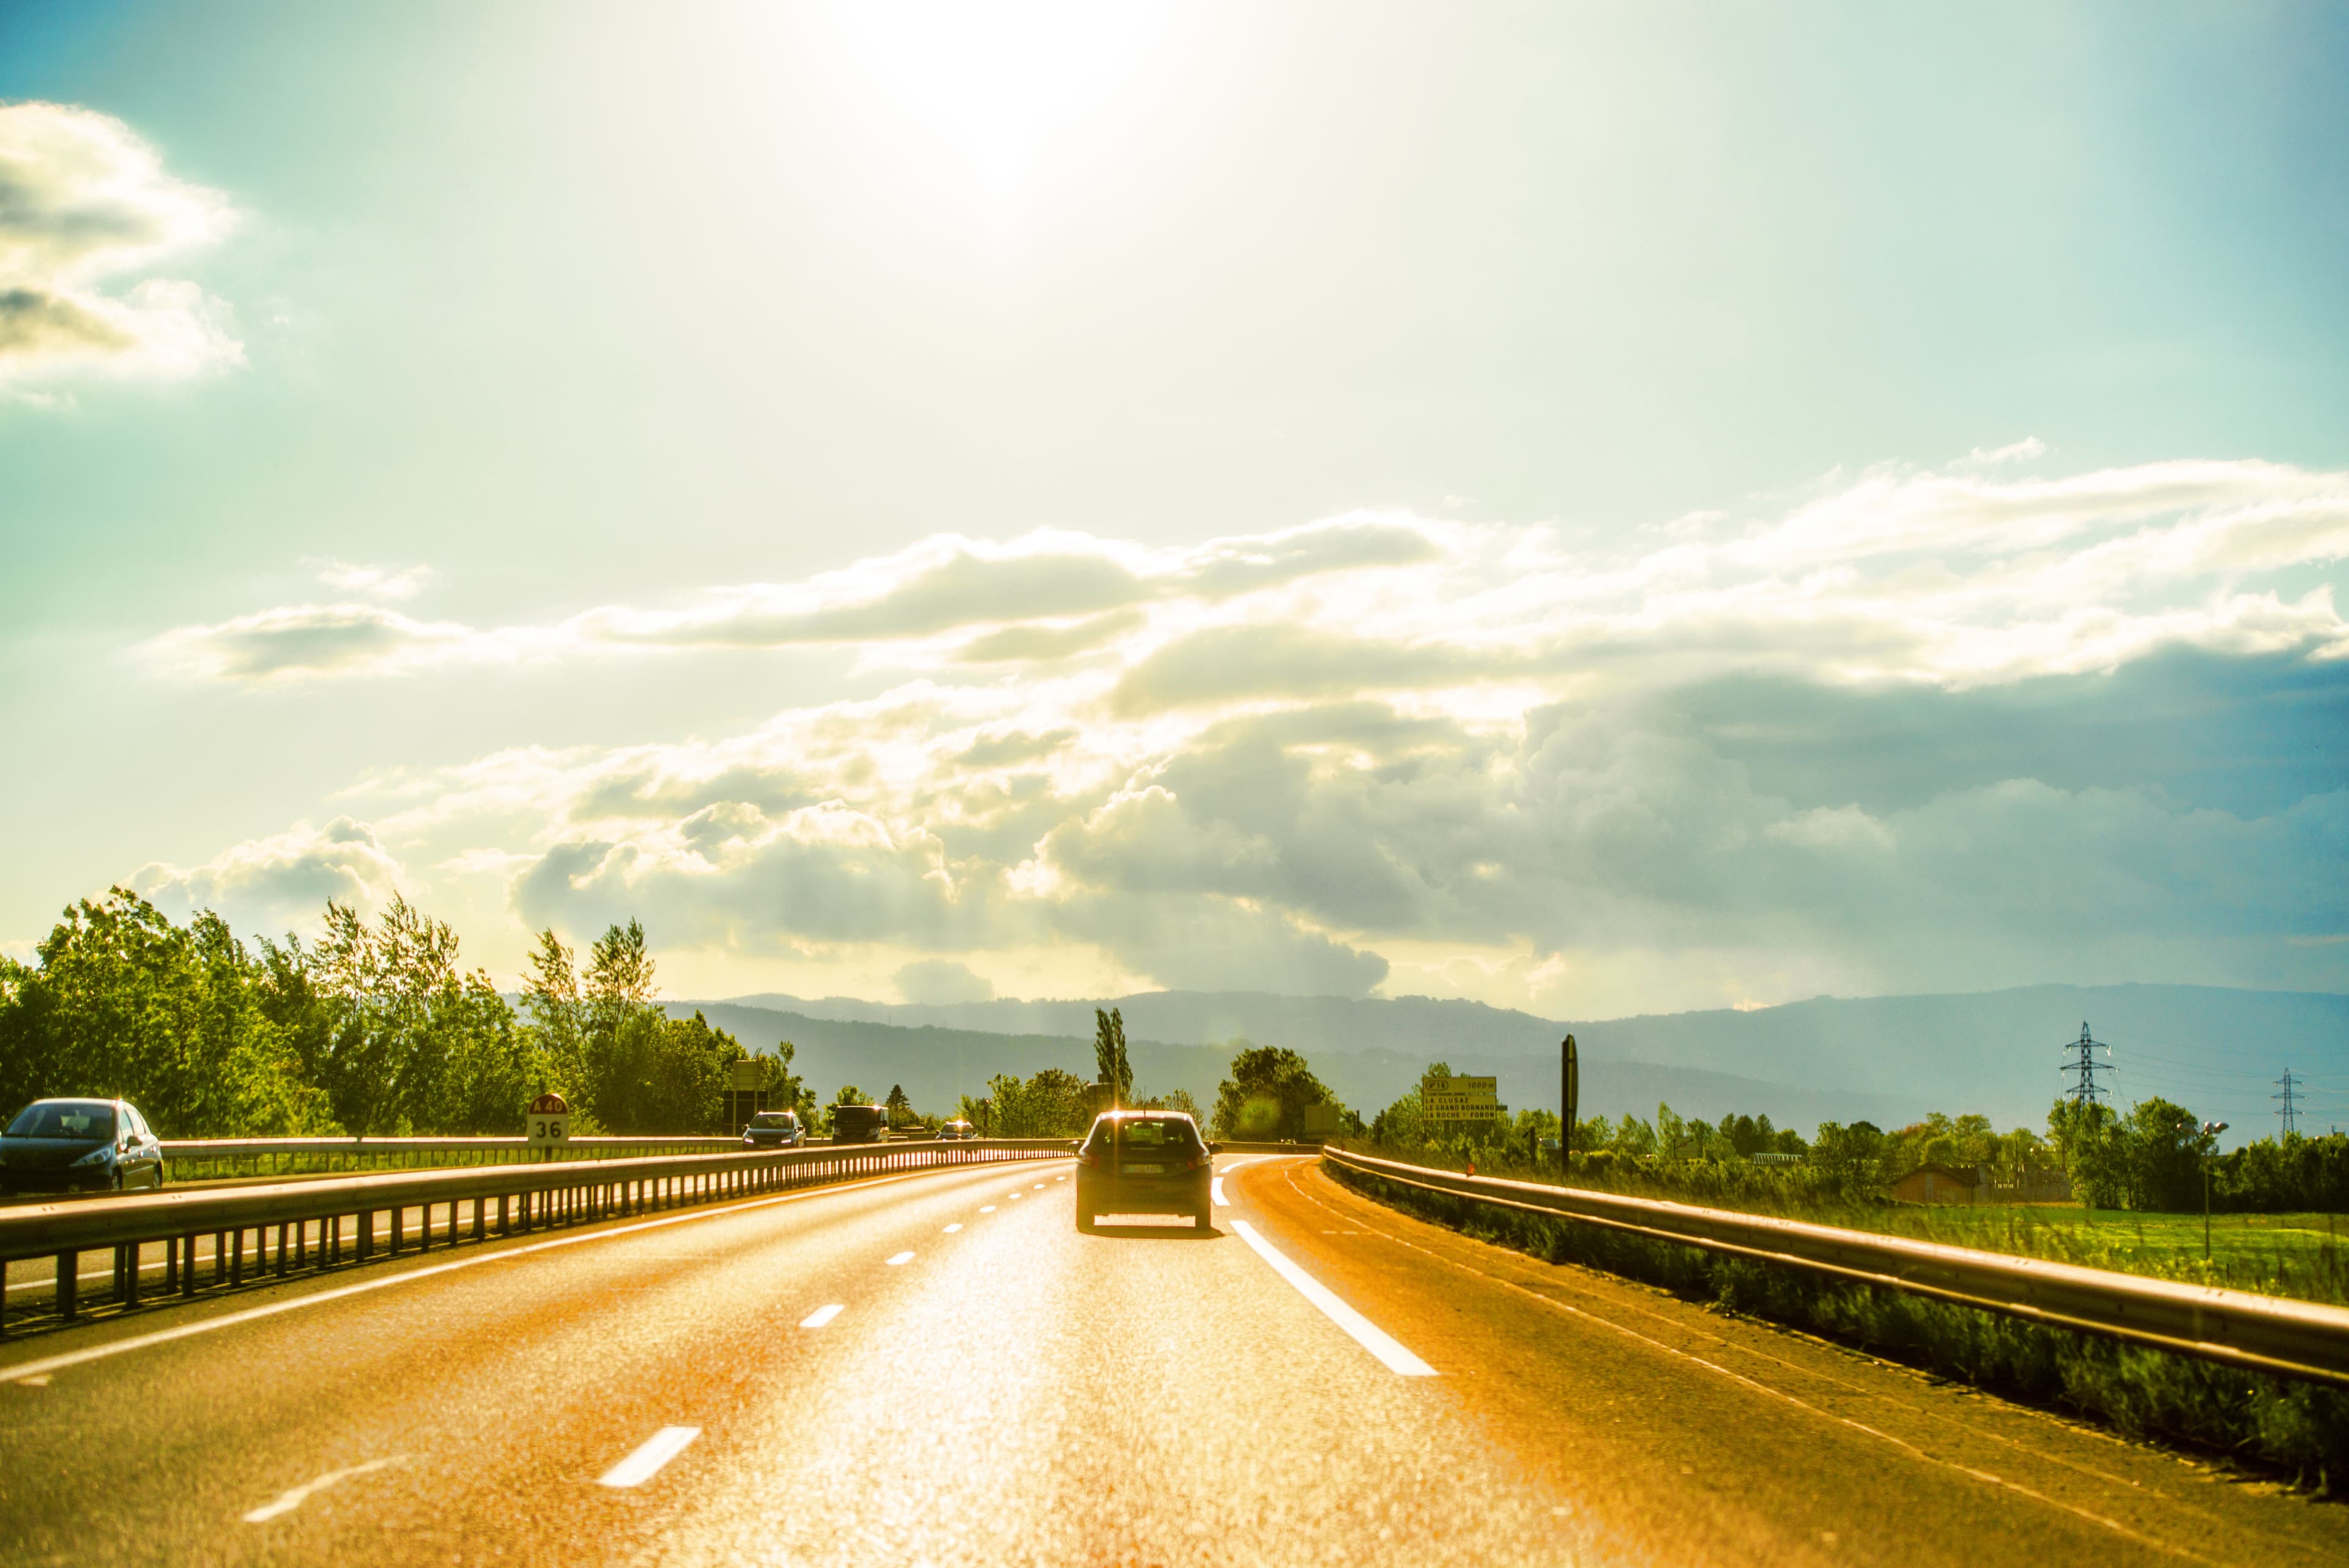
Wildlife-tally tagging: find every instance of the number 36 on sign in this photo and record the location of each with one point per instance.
(548, 1121)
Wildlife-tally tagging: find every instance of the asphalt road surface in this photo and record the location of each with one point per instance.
(939, 1369)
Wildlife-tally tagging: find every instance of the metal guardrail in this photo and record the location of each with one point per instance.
(465, 1203)
(2306, 1340)
(203, 1159)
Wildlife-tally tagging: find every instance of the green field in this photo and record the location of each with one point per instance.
(2301, 1255)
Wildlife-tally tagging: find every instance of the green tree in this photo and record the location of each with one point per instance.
(410, 1041)
(1265, 1095)
(2092, 1143)
(1111, 1065)
(900, 1108)
(1052, 1103)
(125, 1003)
(1851, 1156)
(558, 1020)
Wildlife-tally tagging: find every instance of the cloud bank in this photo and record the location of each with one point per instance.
(1914, 730)
(85, 202)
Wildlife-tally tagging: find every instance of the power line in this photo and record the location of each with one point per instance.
(2083, 1066)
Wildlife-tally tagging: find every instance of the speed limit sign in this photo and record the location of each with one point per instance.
(548, 1121)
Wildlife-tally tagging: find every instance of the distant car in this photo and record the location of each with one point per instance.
(957, 1132)
(860, 1124)
(79, 1145)
(1144, 1162)
(775, 1129)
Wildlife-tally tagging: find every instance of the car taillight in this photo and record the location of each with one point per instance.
(1088, 1157)
(1196, 1161)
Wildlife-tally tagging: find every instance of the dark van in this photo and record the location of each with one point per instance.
(860, 1124)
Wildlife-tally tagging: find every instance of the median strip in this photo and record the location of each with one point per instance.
(50, 1364)
(1365, 1332)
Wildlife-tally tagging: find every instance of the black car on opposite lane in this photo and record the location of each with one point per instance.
(79, 1145)
(1144, 1162)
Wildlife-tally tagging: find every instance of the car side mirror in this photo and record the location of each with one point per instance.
(1214, 1147)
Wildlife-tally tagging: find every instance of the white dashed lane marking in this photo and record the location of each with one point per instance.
(986, 1208)
(822, 1315)
(288, 1501)
(647, 1460)
(900, 1258)
(954, 1227)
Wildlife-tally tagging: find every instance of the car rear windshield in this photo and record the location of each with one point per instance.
(774, 1119)
(64, 1118)
(1139, 1134)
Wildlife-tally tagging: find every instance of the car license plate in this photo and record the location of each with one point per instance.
(1145, 1170)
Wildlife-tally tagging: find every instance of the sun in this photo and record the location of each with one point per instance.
(1000, 94)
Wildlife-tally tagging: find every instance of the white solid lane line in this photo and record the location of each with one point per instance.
(954, 1227)
(1368, 1335)
(900, 1258)
(822, 1315)
(288, 1501)
(647, 1461)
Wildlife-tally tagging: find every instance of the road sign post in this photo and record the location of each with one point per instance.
(1569, 1095)
(547, 1122)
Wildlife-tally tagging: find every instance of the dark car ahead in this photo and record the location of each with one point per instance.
(775, 1129)
(1144, 1162)
(860, 1124)
(957, 1132)
(79, 1145)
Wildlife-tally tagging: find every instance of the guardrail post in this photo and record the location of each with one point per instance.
(363, 1243)
(301, 1242)
(126, 1275)
(187, 1266)
(220, 1257)
(236, 1256)
(68, 1268)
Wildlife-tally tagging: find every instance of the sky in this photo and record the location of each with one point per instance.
(1598, 509)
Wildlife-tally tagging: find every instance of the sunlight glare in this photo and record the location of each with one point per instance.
(1000, 91)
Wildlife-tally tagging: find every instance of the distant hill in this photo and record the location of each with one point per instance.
(2212, 1048)
(935, 1065)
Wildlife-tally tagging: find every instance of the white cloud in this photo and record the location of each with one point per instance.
(377, 582)
(282, 879)
(84, 202)
(1447, 756)
(2022, 451)
(1950, 579)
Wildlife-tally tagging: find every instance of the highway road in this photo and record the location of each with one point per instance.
(937, 1368)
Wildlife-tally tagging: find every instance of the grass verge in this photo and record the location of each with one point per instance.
(2297, 1429)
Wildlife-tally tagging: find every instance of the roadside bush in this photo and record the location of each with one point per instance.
(2293, 1426)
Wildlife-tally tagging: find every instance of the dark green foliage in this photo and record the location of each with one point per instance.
(1110, 1063)
(376, 1029)
(125, 1003)
(2285, 1175)
(2295, 1426)
(1051, 1104)
(1265, 1095)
